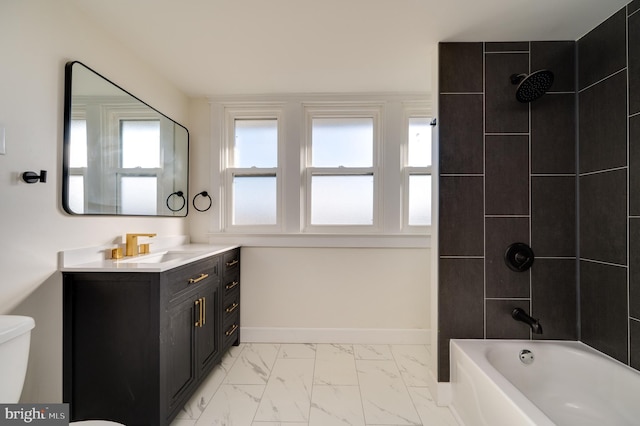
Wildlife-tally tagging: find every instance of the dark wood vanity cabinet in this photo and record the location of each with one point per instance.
(137, 344)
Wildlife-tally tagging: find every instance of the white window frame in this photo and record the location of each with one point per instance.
(231, 114)
(357, 110)
(293, 136)
(409, 112)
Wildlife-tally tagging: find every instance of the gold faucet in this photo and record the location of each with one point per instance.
(132, 243)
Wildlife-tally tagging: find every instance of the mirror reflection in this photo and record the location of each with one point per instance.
(121, 157)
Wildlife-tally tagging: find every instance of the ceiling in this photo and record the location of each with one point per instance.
(222, 47)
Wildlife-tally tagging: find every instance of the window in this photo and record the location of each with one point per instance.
(312, 169)
(417, 171)
(252, 172)
(341, 172)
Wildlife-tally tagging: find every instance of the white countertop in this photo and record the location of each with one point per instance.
(95, 259)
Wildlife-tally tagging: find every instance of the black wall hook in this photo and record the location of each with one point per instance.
(32, 177)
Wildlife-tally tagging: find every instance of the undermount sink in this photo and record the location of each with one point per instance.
(163, 257)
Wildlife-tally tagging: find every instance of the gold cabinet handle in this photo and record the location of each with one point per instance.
(197, 280)
(232, 285)
(232, 263)
(204, 311)
(232, 307)
(231, 330)
(199, 322)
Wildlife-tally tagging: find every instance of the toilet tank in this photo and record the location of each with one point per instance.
(15, 337)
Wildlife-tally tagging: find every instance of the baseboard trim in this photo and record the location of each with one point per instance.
(335, 335)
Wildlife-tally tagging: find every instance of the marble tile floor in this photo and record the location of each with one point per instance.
(260, 384)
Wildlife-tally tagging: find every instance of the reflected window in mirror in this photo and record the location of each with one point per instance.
(121, 157)
(139, 167)
(78, 164)
(140, 142)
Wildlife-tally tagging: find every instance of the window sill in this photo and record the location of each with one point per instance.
(323, 240)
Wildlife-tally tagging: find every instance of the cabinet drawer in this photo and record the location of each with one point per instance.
(231, 329)
(230, 285)
(231, 262)
(231, 307)
(194, 275)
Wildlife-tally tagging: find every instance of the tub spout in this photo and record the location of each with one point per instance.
(520, 315)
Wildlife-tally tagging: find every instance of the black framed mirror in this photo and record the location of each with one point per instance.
(120, 155)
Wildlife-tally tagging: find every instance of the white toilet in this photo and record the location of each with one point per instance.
(15, 338)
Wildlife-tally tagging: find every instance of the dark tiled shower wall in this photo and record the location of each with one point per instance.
(508, 170)
(507, 174)
(609, 170)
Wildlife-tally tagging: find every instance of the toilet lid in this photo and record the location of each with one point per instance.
(96, 423)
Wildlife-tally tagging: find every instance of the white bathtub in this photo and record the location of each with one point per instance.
(568, 383)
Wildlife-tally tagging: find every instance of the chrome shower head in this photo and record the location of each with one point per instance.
(532, 86)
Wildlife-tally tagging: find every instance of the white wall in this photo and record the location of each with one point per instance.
(316, 288)
(200, 167)
(37, 37)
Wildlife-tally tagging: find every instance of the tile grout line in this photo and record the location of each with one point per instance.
(313, 384)
(364, 415)
(484, 191)
(264, 390)
(407, 386)
(628, 198)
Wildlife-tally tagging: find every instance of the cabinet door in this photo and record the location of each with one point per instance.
(207, 334)
(181, 337)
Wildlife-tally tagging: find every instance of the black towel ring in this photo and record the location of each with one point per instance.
(202, 194)
(178, 194)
